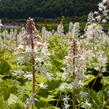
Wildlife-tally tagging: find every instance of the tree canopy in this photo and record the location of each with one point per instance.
(46, 8)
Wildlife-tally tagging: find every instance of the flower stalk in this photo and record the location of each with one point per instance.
(74, 54)
(30, 29)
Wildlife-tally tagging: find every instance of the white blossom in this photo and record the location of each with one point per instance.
(42, 85)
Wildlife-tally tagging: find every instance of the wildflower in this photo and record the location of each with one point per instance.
(70, 26)
(46, 34)
(39, 44)
(63, 87)
(18, 72)
(42, 86)
(32, 33)
(76, 30)
(104, 1)
(94, 30)
(98, 18)
(21, 60)
(80, 83)
(31, 100)
(84, 94)
(66, 106)
(21, 47)
(49, 76)
(104, 21)
(104, 69)
(88, 104)
(66, 98)
(60, 28)
(28, 75)
(1, 23)
(64, 76)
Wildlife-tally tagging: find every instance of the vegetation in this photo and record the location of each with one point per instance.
(18, 9)
(54, 82)
(60, 67)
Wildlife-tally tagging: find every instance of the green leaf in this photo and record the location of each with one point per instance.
(7, 87)
(48, 99)
(105, 81)
(89, 79)
(12, 99)
(14, 102)
(3, 104)
(4, 67)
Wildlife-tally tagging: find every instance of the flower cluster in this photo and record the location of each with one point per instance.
(100, 16)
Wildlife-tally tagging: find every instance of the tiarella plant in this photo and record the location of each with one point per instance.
(56, 69)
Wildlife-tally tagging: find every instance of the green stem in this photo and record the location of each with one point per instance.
(58, 99)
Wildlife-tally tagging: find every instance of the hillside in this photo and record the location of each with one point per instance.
(46, 8)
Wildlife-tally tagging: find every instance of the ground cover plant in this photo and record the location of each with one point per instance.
(56, 69)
